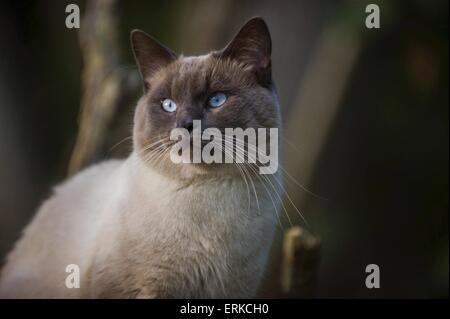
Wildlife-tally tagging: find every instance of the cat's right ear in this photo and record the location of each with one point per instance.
(150, 55)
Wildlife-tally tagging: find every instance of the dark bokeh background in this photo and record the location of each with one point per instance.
(382, 164)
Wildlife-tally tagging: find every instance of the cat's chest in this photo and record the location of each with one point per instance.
(208, 228)
(205, 212)
(162, 196)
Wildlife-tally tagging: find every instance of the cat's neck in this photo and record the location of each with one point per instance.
(182, 177)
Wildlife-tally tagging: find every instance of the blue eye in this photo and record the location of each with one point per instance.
(217, 100)
(168, 105)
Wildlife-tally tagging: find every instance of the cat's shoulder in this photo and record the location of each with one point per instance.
(92, 175)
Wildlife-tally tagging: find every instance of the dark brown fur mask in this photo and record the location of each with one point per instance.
(241, 71)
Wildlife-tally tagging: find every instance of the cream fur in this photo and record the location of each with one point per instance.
(136, 233)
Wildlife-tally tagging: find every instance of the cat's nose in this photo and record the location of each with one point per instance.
(186, 122)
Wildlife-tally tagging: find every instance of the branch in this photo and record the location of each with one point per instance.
(103, 83)
(301, 256)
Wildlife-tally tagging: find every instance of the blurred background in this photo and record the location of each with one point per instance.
(365, 116)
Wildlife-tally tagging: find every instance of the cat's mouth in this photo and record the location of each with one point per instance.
(198, 146)
(231, 146)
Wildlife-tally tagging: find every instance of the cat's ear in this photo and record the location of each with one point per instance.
(150, 55)
(252, 46)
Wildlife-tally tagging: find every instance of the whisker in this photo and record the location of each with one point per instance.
(227, 146)
(284, 171)
(244, 178)
(283, 189)
(117, 144)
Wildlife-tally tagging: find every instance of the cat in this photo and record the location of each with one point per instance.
(145, 227)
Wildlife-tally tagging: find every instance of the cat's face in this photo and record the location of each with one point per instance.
(225, 89)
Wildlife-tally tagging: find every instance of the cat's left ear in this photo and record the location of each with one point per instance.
(252, 46)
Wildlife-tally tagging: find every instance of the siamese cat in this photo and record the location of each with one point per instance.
(145, 227)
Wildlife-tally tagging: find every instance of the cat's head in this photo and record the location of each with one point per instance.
(223, 89)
